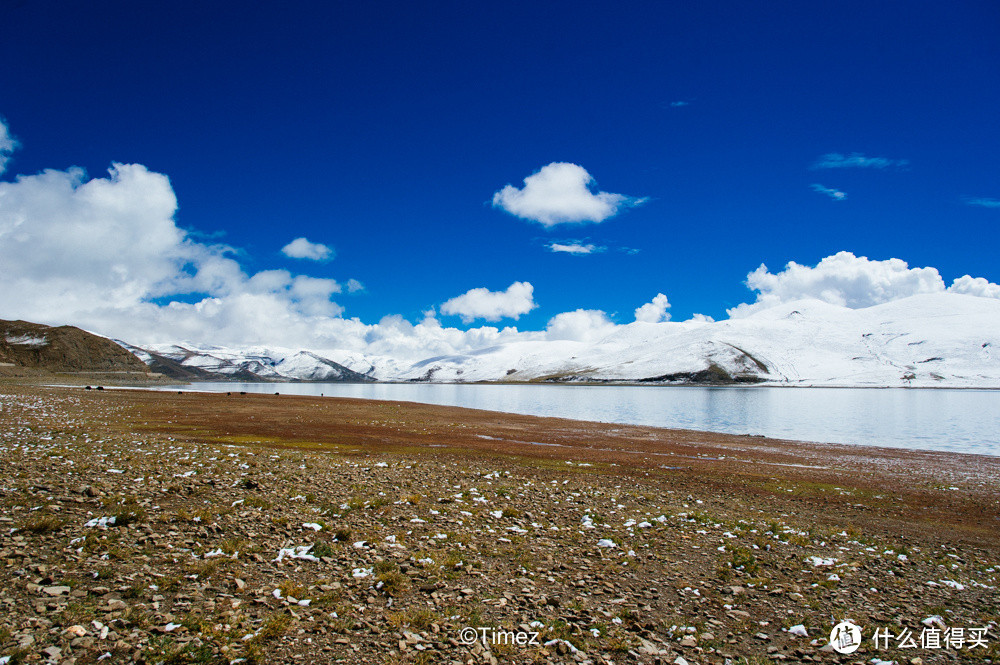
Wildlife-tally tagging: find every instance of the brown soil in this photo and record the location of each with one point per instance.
(469, 518)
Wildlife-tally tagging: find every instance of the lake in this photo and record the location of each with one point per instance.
(965, 421)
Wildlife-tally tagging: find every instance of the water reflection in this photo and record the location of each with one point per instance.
(952, 420)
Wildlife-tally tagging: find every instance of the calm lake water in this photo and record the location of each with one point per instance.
(932, 419)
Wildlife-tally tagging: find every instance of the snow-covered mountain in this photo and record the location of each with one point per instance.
(247, 364)
(943, 339)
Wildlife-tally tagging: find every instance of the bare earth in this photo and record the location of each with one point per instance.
(277, 529)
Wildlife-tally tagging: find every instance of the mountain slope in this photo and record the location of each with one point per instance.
(34, 346)
(940, 339)
(926, 340)
(187, 362)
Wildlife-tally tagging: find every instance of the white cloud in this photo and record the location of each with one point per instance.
(300, 248)
(680, 104)
(701, 318)
(856, 160)
(560, 193)
(7, 145)
(575, 248)
(983, 202)
(655, 311)
(353, 286)
(482, 303)
(975, 286)
(106, 254)
(581, 325)
(852, 281)
(834, 194)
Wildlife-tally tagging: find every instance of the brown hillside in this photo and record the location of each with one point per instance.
(62, 349)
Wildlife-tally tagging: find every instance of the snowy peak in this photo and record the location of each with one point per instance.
(188, 362)
(940, 340)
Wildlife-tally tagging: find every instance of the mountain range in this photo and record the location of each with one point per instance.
(940, 340)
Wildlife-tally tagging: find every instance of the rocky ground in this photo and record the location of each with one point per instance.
(142, 527)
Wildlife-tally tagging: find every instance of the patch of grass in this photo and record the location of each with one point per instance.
(273, 627)
(385, 566)
(342, 535)
(419, 618)
(233, 545)
(292, 588)
(323, 549)
(394, 583)
(741, 558)
(42, 523)
(129, 512)
(204, 569)
(136, 617)
(256, 502)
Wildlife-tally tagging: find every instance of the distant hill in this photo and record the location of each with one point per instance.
(250, 364)
(32, 347)
(929, 340)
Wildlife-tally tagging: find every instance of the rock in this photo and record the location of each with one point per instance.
(689, 641)
(115, 605)
(56, 590)
(76, 630)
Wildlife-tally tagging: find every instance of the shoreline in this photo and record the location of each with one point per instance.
(776, 429)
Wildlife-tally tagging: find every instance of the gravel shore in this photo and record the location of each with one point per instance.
(156, 527)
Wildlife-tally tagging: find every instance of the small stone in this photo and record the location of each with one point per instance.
(689, 642)
(56, 590)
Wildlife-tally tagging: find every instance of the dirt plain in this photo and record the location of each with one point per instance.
(283, 529)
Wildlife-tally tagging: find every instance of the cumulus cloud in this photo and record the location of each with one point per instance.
(582, 325)
(482, 303)
(561, 193)
(975, 286)
(7, 145)
(852, 281)
(655, 311)
(300, 248)
(701, 318)
(575, 248)
(353, 286)
(856, 160)
(983, 202)
(105, 253)
(834, 194)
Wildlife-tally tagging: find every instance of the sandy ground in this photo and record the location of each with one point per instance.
(253, 528)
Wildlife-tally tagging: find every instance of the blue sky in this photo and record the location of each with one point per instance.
(384, 130)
